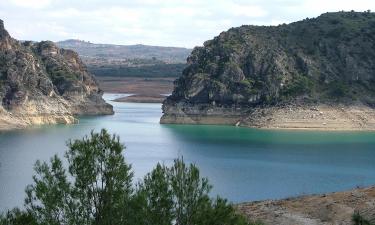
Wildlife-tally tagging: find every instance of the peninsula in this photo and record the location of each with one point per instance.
(313, 74)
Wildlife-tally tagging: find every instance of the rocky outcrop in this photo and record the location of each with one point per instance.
(320, 62)
(40, 83)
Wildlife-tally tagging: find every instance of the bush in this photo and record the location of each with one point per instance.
(298, 86)
(359, 220)
(339, 89)
(97, 189)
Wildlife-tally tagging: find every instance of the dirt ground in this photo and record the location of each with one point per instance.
(327, 209)
(145, 90)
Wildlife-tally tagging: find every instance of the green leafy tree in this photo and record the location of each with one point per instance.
(49, 198)
(179, 195)
(190, 191)
(101, 187)
(103, 181)
(17, 217)
(156, 195)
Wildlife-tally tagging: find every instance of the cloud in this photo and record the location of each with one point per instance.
(247, 10)
(185, 23)
(33, 4)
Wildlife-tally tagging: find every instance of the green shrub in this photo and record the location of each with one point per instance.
(359, 220)
(338, 89)
(299, 85)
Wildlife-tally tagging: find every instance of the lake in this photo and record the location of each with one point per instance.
(243, 164)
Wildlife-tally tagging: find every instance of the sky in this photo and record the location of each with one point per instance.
(180, 23)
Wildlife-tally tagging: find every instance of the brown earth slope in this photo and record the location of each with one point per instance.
(327, 209)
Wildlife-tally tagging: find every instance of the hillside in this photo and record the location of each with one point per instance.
(129, 60)
(325, 209)
(42, 84)
(287, 76)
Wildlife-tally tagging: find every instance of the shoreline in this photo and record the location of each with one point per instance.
(322, 209)
(142, 98)
(315, 118)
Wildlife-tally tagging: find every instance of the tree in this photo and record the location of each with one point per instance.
(49, 198)
(101, 187)
(103, 181)
(190, 191)
(178, 195)
(156, 196)
(17, 217)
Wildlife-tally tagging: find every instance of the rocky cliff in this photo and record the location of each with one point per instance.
(40, 83)
(259, 75)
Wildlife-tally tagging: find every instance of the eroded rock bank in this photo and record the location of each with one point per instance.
(43, 84)
(309, 117)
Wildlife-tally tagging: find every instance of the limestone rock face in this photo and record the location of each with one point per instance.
(40, 83)
(326, 60)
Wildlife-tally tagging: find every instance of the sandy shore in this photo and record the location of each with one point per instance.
(145, 90)
(326, 209)
(142, 98)
(136, 85)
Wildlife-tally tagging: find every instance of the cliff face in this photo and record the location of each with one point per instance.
(327, 60)
(40, 83)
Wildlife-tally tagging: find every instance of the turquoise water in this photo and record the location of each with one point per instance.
(243, 164)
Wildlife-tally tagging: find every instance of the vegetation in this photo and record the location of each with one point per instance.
(97, 188)
(89, 50)
(328, 59)
(299, 85)
(157, 70)
(359, 220)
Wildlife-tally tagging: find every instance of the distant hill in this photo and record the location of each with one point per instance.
(129, 60)
(120, 52)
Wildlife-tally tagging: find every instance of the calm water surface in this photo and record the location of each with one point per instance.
(243, 164)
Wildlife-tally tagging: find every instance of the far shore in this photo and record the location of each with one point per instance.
(144, 90)
(140, 98)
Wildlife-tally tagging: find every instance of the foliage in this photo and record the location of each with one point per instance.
(17, 217)
(49, 198)
(157, 70)
(299, 85)
(338, 89)
(97, 189)
(359, 220)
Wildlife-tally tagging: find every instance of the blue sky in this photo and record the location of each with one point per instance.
(184, 23)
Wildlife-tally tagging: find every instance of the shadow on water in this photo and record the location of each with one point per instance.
(261, 164)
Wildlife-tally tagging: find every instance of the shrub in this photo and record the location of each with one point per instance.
(359, 220)
(299, 85)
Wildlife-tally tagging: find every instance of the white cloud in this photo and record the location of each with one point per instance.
(33, 4)
(247, 10)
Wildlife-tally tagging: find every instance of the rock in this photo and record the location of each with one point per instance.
(307, 63)
(41, 83)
